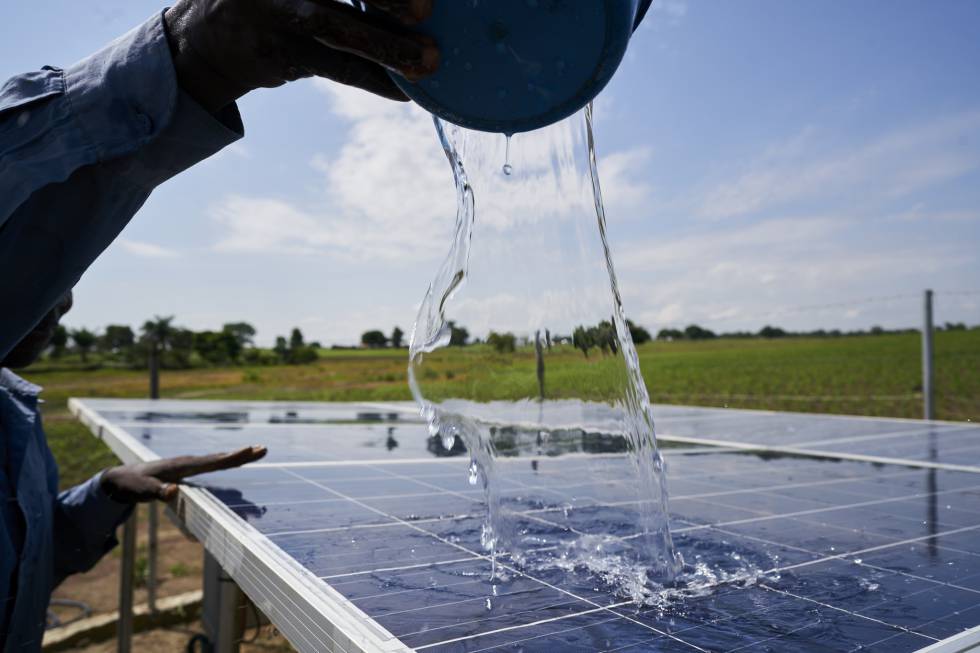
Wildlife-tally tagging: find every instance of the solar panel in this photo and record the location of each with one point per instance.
(358, 533)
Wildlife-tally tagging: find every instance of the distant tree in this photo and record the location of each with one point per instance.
(117, 339)
(180, 347)
(695, 332)
(84, 341)
(396, 337)
(374, 339)
(670, 334)
(582, 338)
(59, 341)
(217, 347)
(162, 344)
(604, 336)
(458, 336)
(159, 331)
(638, 333)
(954, 326)
(771, 332)
(281, 349)
(303, 355)
(243, 332)
(877, 330)
(503, 343)
(296, 339)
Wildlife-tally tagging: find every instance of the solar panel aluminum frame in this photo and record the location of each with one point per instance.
(968, 640)
(313, 616)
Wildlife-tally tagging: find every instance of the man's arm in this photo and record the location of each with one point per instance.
(82, 148)
(85, 522)
(87, 515)
(80, 151)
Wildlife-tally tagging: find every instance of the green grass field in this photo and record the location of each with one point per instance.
(866, 375)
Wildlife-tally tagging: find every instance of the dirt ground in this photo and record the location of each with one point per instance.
(175, 639)
(179, 570)
(180, 565)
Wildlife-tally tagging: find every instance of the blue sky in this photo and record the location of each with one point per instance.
(808, 164)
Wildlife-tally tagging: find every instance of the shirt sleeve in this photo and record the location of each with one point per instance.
(85, 522)
(80, 151)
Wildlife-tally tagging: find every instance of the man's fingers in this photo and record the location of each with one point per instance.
(167, 492)
(137, 488)
(348, 69)
(345, 28)
(174, 469)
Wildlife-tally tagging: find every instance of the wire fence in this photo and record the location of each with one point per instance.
(850, 303)
(885, 377)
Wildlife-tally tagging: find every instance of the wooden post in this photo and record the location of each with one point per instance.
(929, 409)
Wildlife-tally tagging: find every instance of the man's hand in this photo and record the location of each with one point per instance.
(222, 49)
(159, 479)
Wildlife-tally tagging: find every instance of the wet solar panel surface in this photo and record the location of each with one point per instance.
(855, 555)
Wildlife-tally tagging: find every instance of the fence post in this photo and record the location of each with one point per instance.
(927, 391)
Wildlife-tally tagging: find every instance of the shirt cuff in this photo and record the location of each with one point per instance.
(192, 135)
(93, 512)
(124, 95)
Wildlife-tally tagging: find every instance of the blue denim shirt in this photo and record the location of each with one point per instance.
(44, 536)
(80, 151)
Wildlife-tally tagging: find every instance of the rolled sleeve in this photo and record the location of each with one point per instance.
(85, 525)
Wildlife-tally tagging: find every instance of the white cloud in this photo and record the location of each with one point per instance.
(266, 225)
(388, 191)
(895, 165)
(741, 277)
(146, 250)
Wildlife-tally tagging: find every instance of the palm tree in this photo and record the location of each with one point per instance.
(158, 335)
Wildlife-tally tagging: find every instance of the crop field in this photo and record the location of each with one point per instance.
(867, 375)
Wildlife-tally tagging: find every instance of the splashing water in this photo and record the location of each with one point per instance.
(542, 267)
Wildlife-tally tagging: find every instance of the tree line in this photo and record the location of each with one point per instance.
(696, 332)
(176, 347)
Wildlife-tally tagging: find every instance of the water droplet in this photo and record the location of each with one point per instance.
(468, 66)
(448, 440)
(474, 472)
(508, 169)
(489, 604)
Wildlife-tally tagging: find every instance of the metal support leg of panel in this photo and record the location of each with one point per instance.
(224, 608)
(124, 635)
(152, 556)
